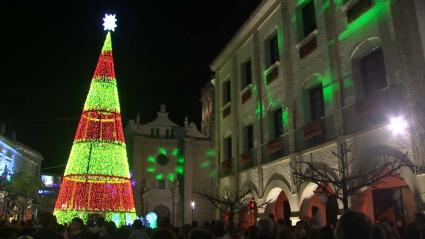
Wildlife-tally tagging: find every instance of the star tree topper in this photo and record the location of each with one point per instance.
(109, 22)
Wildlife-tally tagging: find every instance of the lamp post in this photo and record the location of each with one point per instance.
(192, 203)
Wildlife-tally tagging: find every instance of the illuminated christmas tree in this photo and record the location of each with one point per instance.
(97, 177)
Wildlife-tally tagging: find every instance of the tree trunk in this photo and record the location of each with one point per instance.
(345, 194)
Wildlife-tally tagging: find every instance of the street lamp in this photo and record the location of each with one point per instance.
(398, 125)
(192, 203)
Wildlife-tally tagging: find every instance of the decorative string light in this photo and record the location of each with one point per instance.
(160, 170)
(97, 177)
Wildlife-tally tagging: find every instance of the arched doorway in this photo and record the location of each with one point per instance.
(391, 200)
(162, 212)
(278, 204)
(314, 197)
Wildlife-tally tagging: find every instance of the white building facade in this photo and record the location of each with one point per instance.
(299, 79)
(169, 163)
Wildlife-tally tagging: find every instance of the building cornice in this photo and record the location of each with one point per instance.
(243, 32)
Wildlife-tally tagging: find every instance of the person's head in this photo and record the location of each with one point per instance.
(300, 230)
(76, 224)
(420, 218)
(231, 228)
(137, 225)
(264, 227)
(353, 225)
(200, 233)
(100, 221)
(206, 225)
(194, 224)
(165, 222)
(110, 227)
(163, 233)
(184, 230)
(218, 228)
(44, 219)
(326, 232)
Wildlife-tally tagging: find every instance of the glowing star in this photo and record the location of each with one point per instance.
(109, 22)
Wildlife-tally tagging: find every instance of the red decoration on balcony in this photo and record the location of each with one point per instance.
(308, 47)
(313, 129)
(246, 96)
(274, 145)
(245, 158)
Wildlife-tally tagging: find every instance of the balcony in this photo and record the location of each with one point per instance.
(226, 168)
(373, 109)
(275, 149)
(315, 133)
(272, 73)
(226, 111)
(248, 159)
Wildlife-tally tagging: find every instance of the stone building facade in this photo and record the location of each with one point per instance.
(169, 163)
(301, 78)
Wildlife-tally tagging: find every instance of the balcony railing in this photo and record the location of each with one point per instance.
(226, 168)
(315, 133)
(373, 109)
(248, 159)
(275, 149)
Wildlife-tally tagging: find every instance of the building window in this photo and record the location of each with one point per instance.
(246, 74)
(157, 132)
(317, 105)
(172, 134)
(152, 132)
(273, 50)
(308, 18)
(167, 133)
(248, 137)
(161, 184)
(226, 92)
(358, 9)
(372, 69)
(278, 123)
(228, 148)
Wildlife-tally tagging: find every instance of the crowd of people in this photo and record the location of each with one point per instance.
(351, 225)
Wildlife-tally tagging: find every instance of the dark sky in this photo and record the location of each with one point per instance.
(162, 50)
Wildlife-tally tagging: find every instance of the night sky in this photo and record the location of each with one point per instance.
(161, 49)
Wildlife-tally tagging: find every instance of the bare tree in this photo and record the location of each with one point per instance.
(230, 203)
(342, 181)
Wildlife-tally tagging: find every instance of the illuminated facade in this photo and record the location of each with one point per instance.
(301, 77)
(169, 162)
(15, 158)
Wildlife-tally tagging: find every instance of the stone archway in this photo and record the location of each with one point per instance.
(163, 213)
(278, 204)
(327, 205)
(392, 199)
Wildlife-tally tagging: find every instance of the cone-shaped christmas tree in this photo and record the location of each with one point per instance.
(97, 177)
